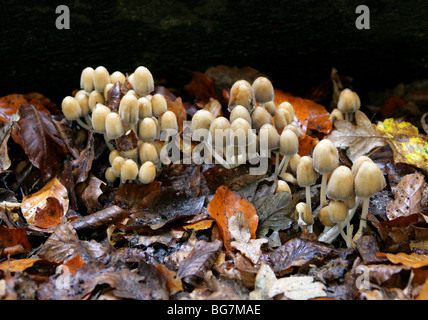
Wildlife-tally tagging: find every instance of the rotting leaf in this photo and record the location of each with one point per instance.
(226, 204)
(13, 241)
(412, 260)
(37, 135)
(297, 252)
(358, 139)
(184, 179)
(10, 104)
(50, 216)
(83, 165)
(89, 191)
(102, 218)
(30, 204)
(199, 261)
(201, 87)
(132, 196)
(410, 196)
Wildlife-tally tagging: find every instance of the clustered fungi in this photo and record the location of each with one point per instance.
(256, 128)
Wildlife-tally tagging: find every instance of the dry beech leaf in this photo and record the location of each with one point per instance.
(412, 260)
(201, 87)
(50, 216)
(199, 261)
(36, 133)
(9, 105)
(226, 204)
(102, 218)
(173, 283)
(89, 191)
(18, 265)
(410, 196)
(358, 139)
(13, 241)
(30, 204)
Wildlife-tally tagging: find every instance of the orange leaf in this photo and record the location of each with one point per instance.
(75, 263)
(301, 108)
(412, 260)
(306, 144)
(50, 216)
(31, 203)
(201, 87)
(200, 225)
(9, 105)
(177, 107)
(319, 118)
(423, 295)
(10, 238)
(18, 265)
(225, 205)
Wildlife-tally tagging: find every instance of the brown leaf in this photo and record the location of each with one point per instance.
(183, 179)
(9, 105)
(89, 192)
(177, 107)
(132, 196)
(199, 261)
(102, 218)
(201, 87)
(114, 96)
(297, 252)
(127, 142)
(37, 135)
(412, 260)
(173, 282)
(410, 196)
(226, 204)
(13, 241)
(50, 216)
(83, 164)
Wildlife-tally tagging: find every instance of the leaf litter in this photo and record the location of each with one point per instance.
(203, 231)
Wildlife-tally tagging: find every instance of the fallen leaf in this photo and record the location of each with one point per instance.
(102, 218)
(407, 144)
(18, 265)
(267, 286)
(319, 118)
(199, 261)
(37, 135)
(132, 196)
(177, 107)
(30, 204)
(13, 241)
(201, 87)
(412, 260)
(50, 216)
(226, 204)
(423, 294)
(9, 105)
(83, 164)
(358, 139)
(410, 196)
(173, 282)
(89, 191)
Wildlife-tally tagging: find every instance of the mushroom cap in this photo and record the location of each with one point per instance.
(293, 128)
(148, 129)
(129, 170)
(240, 131)
(288, 143)
(142, 81)
(109, 175)
(114, 126)
(145, 108)
(94, 98)
(270, 107)
(83, 98)
(369, 180)
(101, 78)
(338, 211)
(272, 136)
(324, 217)
(71, 108)
(99, 115)
(263, 90)
(128, 109)
(219, 129)
(131, 154)
(294, 161)
(202, 119)
(147, 152)
(259, 117)
(357, 163)
(147, 172)
(347, 102)
(117, 164)
(326, 157)
(239, 111)
(305, 173)
(280, 119)
(336, 114)
(107, 89)
(112, 155)
(287, 106)
(341, 184)
(242, 94)
(282, 186)
(117, 76)
(159, 104)
(168, 120)
(87, 79)
(305, 213)
(357, 101)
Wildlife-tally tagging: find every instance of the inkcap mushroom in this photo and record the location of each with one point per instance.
(142, 81)
(147, 172)
(288, 146)
(87, 79)
(241, 94)
(128, 171)
(101, 78)
(306, 177)
(304, 215)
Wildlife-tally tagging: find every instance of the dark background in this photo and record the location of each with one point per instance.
(296, 43)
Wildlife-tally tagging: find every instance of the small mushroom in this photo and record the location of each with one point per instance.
(109, 175)
(144, 108)
(282, 186)
(270, 107)
(241, 94)
(117, 76)
(306, 177)
(305, 219)
(263, 90)
(147, 152)
(240, 111)
(280, 119)
(129, 111)
(273, 139)
(128, 171)
(114, 126)
(159, 105)
(326, 159)
(147, 172)
(87, 79)
(287, 106)
(288, 146)
(94, 98)
(142, 81)
(240, 135)
(117, 165)
(73, 111)
(112, 155)
(336, 114)
(148, 129)
(83, 98)
(341, 184)
(259, 117)
(338, 212)
(202, 120)
(369, 180)
(101, 78)
(347, 103)
(168, 121)
(219, 129)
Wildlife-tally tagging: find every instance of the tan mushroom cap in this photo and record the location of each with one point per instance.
(128, 109)
(147, 172)
(263, 90)
(288, 143)
(142, 81)
(71, 108)
(347, 102)
(305, 173)
(357, 163)
(259, 117)
(272, 136)
(87, 79)
(341, 184)
(148, 129)
(305, 213)
(114, 126)
(282, 186)
(129, 170)
(324, 217)
(101, 78)
(218, 130)
(202, 120)
(159, 104)
(338, 211)
(369, 180)
(239, 111)
(99, 115)
(326, 156)
(242, 94)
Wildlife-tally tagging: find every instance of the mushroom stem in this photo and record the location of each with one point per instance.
(308, 197)
(276, 161)
(88, 120)
(82, 124)
(106, 139)
(363, 219)
(217, 157)
(283, 165)
(323, 186)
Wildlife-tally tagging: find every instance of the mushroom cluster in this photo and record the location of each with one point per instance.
(131, 112)
(348, 103)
